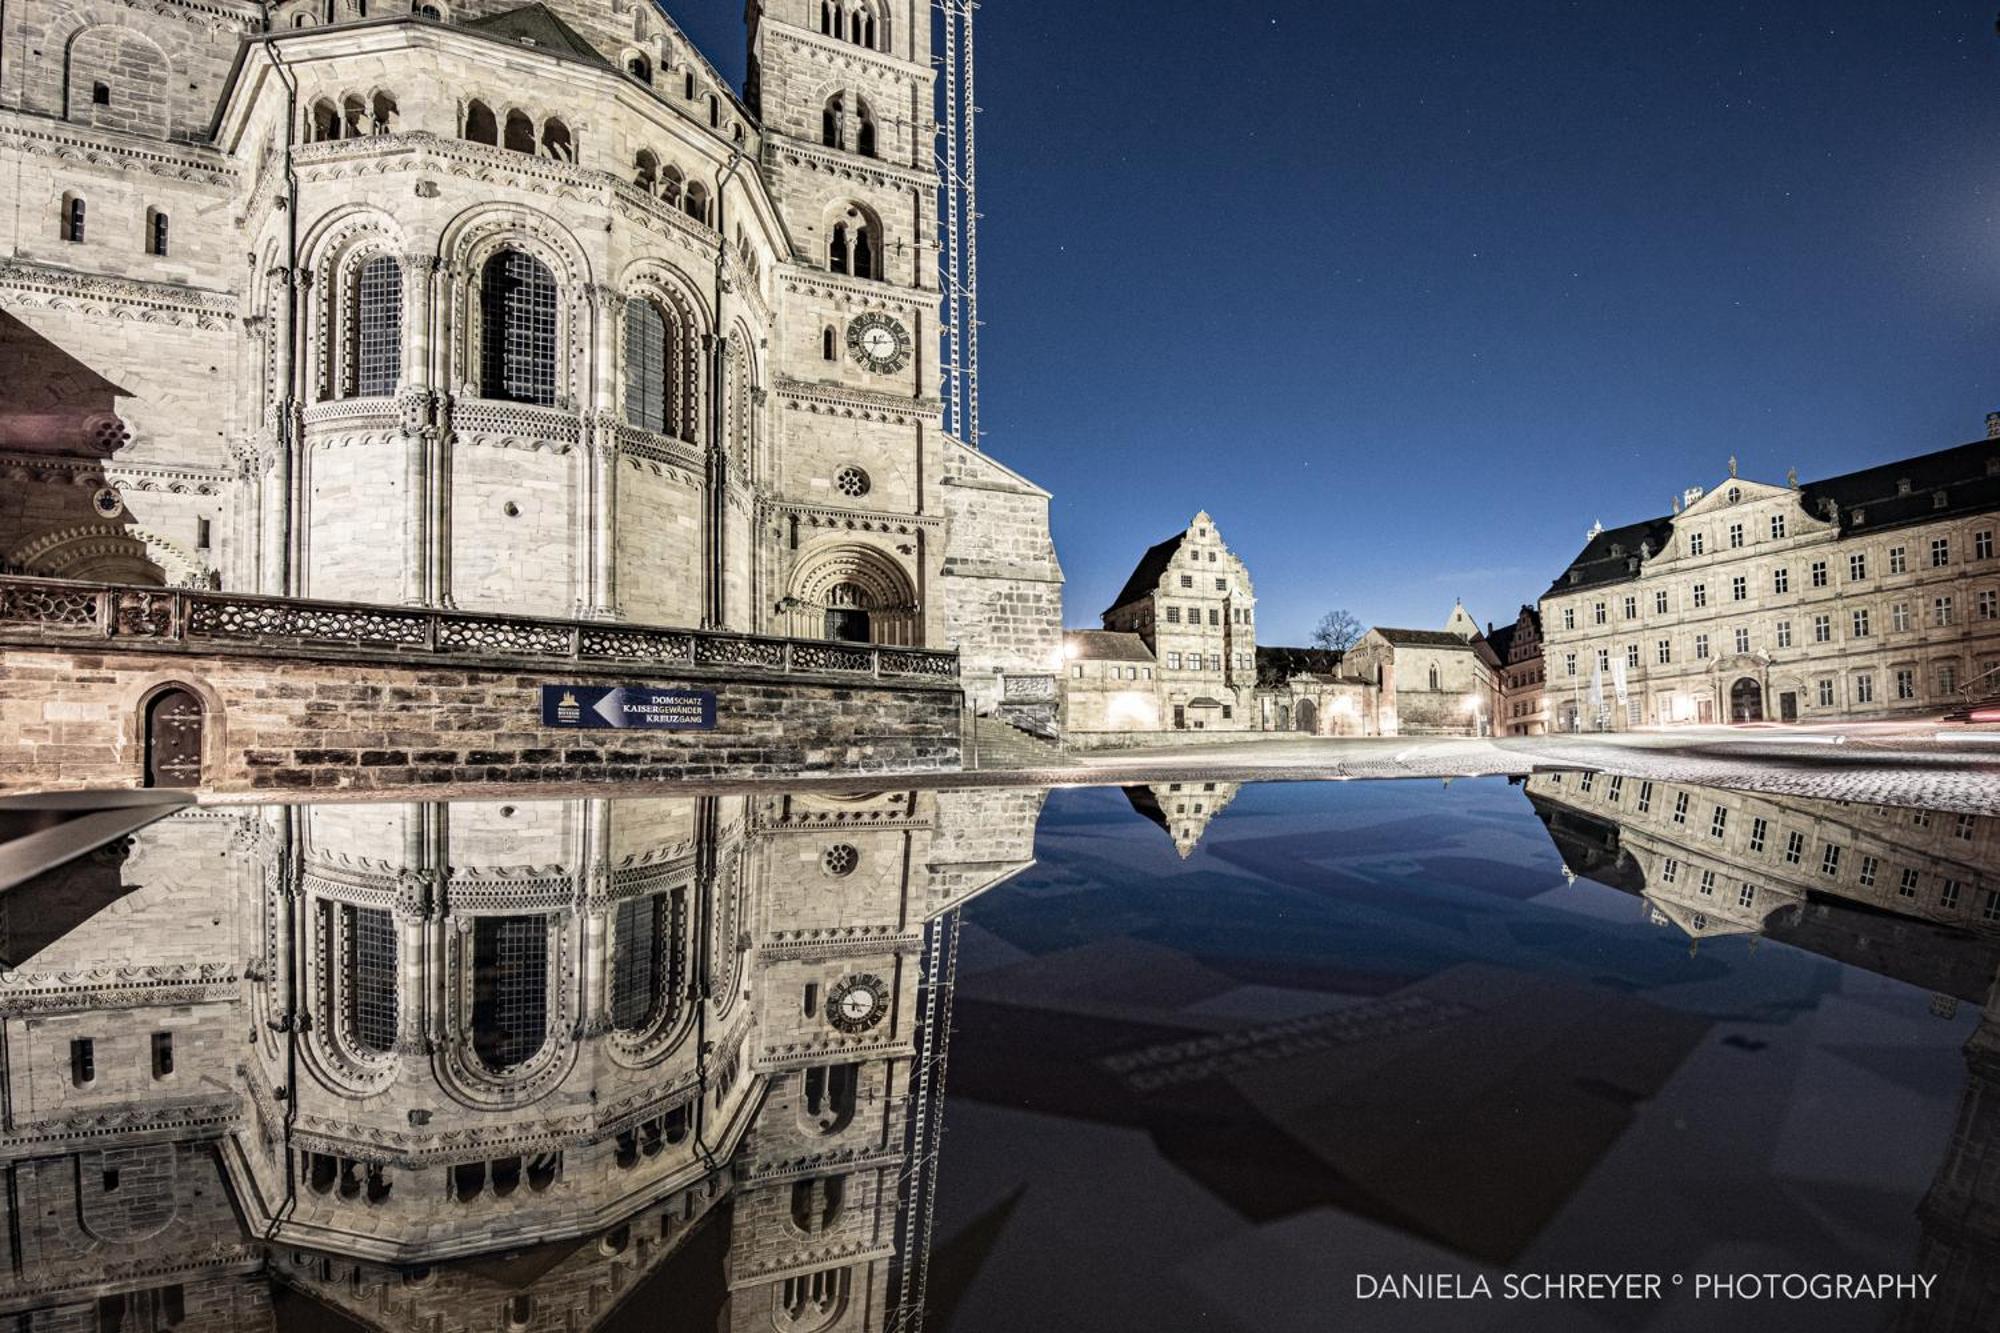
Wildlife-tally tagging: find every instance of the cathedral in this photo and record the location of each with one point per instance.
(505, 307)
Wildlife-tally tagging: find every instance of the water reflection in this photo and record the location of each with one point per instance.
(678, 1062)
(488, 1066)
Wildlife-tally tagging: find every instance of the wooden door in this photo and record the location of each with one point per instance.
(173, 740)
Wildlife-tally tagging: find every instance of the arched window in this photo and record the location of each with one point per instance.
(556, 141)
(854, 248)
(384, 113)
(649, 359)
(428, 12)
(369, 964)
(672, 185)
(829, 345)
(480, 126)
(375, 334)
(838, 249)
(156, 232)
(646, 171)
(640, 68)
(1434, 677)
(517, 318)
(833, 121)
(865, 139)
(687, 85)
(643, 980)
(697, 201)
(100, 94)
(510, 1001)
(72, 219)
(812, 1301)
(714, 112)
(816, 1203)
(326, 12)
(354, 117)
(520, 133)
(325, 121)
(826, 13)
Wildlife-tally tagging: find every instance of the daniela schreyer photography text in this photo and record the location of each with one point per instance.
(1642, 1286)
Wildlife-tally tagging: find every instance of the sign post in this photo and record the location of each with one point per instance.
(627, 707)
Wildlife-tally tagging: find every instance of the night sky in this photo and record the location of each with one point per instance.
(1407, 295)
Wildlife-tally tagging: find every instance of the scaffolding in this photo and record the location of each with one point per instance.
(958, 210)
(923, 1123)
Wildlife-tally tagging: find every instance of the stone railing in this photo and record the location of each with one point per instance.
(65, 611)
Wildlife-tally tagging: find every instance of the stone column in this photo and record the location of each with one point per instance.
(599, 600)
(417, 401)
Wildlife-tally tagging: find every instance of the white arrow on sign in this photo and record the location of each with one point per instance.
(611, 707)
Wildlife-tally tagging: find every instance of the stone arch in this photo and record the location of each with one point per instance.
(137, 100)
(479, 233)
(855, 244)
(334, 249)
(1306, 715)
(346, 925)
(742, 382)
(834, 589)
(680, 301)
(109, 553)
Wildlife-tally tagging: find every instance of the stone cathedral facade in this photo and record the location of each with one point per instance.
(499, 307)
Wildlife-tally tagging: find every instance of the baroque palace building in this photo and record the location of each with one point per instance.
(1872, 593)
(504, 307)
(471, 1067)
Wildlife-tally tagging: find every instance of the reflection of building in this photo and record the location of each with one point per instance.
(1718, 862)
(1183, 809)
(1873, 592)
(504, 1060)
(500, 306)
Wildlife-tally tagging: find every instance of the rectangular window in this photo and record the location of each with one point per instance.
(1906, 683)
(1695, 543)
(1781, 580)
(1671, 871)
(1940, 552)
(1947, 677)
(163, 1054)
(1742, 639)
(1173, 661)
(1857, 567)
(1173, 615)
(1866, 879)
(1948, 894)
(1941, 611)
(1982, 544)
(1907, 886)
(1784, 633)
(1660, 602)
(1615, 790)
(1187, 580)
(1631, 608)
(1215, 661)
(1826, 694)
(1822, 629)
(1859, 622)
(1597, 613)
(1739, 589)
(1569, 617)
(1222, 585)
(1899, 617)
(1701, 647)
(1586, 782)
(1708, 883)
(1569, 663)
(1604, 659)
(1864, 688)
(1819, 573)
(1215, 615)
(1645, 797)
(1076, 673)
(1735, 535)
(1991, 910)
(1746, 896)
(1718, 822)
(1631, 654)
(1899, 560)
(1666, 651)
(1777, 526)
(1680, 807)
(1965, 827)
(1795, 848)
(83, 1062)
(1700, 595)
(1989, 604)
(1757, 830)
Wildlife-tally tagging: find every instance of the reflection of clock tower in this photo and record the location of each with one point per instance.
(845, 92)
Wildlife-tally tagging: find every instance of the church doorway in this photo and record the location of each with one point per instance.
(1746, 701)
(847, 618)
(173, 722)
(1308, 717)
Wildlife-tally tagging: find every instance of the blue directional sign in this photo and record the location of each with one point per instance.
(627, 707)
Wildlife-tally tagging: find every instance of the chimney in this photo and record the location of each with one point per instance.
(1993, 425)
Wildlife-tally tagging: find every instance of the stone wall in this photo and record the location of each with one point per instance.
(1003, 584)
(71, 719)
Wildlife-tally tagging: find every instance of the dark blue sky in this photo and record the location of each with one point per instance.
(1407, 295)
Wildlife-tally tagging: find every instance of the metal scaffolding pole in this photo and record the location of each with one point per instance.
(958, 210)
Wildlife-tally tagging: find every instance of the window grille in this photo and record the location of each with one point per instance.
(517, 315)
(378, 327)
(646, 362)
(509, 988)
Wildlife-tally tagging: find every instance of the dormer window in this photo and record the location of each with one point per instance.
(1938, 500)
(1993, 466)
(1575, 577)
(1902, 485)
(1859, 516)
(1616, 550)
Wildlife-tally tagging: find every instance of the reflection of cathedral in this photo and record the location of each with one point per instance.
(1183, 809)
(486, 1066)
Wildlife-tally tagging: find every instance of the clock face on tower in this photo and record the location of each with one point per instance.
(879, 341)
(857, 1003)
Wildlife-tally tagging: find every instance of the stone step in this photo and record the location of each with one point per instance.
(998, 744)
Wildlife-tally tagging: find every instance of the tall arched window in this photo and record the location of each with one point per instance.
(833, 121)
(353, 117)
(510, 999)
(672, 185)
(370, 965)
(827, 10)
(156, 232)
(1434, 677)
(385, 113)
(375, 334)
(645, 961)
(520, 133)
(480, 126)
(72, 219)
(649, 355)
(697, 201)
(556, 141)
(854, 248)
(864, 142)
(517, 329)
(325, 121)
(640, 68)
(646, 171)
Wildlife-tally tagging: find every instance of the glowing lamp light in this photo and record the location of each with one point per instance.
(1132, 710)
(1985, 715)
